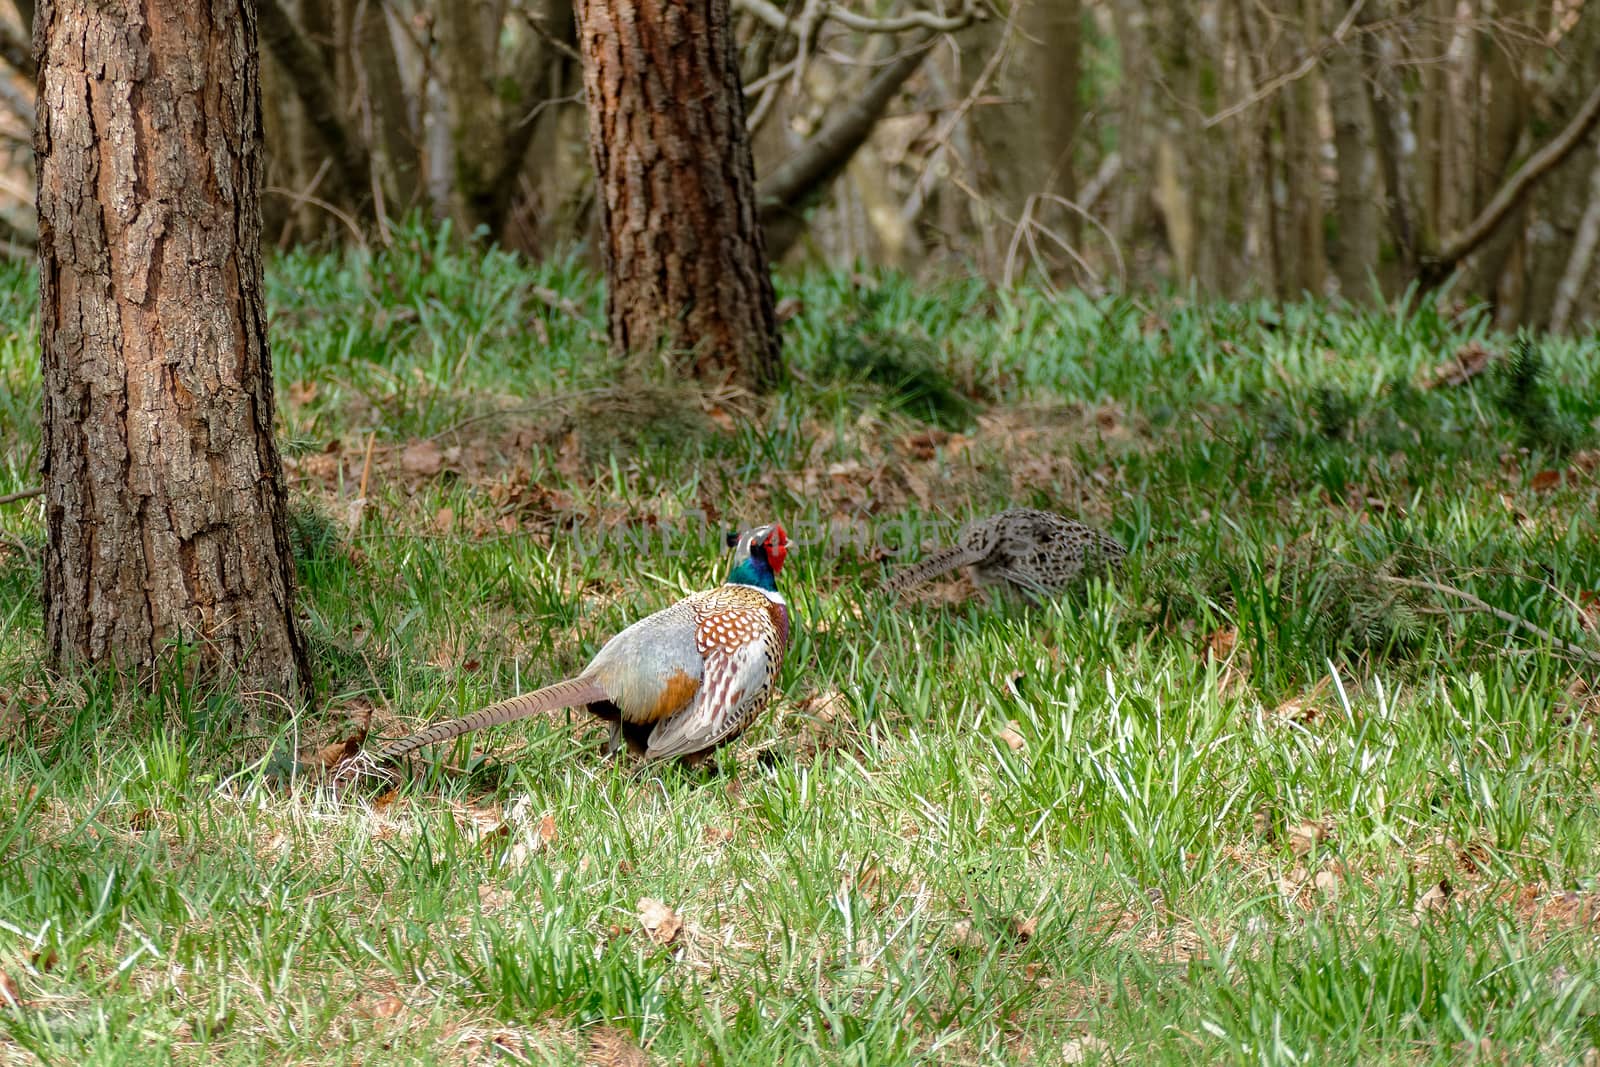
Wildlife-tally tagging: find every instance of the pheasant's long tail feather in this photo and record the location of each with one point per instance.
(947, 559)
(567, 694)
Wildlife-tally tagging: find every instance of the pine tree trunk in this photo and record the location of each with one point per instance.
(685, 259)
(164, 507)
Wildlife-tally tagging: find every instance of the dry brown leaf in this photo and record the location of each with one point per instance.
(1298, 709)
(383, 1008)
(612, 1047)
(1545, 481)
(1305, 836)
(1473, 858)
(569, 458)
(330, 756)
(788, 308)
(1083, 1049)
(530, 838)
(142, 821)
(1589, 610)
(716, 835)
(1302, 708)
(1023, 927)
(493, 898)
(1469, 361)
(10, 995)
(825, 706)
(1222, 647)
(1012, 736)
(1327, 883)
(444, 520)
(423, 458)
(1437, 898)
(925, 445)
(1261, 822)
(659, 921)
(964, 937)
(1221, 643)
(484, 824)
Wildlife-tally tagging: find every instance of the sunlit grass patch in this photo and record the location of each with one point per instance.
(1277, 792)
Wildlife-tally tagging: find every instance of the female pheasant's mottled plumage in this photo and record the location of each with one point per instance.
(1038, 552)
(678, 683)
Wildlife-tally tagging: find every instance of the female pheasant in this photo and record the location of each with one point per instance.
(1037, 552)
(678, 683)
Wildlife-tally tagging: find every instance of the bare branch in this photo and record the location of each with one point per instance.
(532, 68)
(319, 97)
(766, 12)
(1300, 70)
(1504, 616)
(1435, 268)
(781, 193)
(25, 494)
(316, 201)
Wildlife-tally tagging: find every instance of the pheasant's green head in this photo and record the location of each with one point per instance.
(758, 556)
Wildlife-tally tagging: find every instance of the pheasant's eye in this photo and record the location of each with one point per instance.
(732, 538)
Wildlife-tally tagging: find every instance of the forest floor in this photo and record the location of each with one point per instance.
(1285, 790)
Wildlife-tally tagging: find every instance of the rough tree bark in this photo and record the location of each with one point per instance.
(684, 253)
(165, 508)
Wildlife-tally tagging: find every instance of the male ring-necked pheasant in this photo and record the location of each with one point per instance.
(1038, 552)
(678, 683)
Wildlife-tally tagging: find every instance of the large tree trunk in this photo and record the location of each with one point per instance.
(165, 506)
(684, 255)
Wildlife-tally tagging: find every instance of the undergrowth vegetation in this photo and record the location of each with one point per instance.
(1313, 780)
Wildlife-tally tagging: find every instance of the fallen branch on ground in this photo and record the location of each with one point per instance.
(1500, 613)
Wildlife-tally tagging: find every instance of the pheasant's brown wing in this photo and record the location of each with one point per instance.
(742, 651)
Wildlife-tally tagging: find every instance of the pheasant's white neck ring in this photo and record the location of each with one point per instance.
(760, 557)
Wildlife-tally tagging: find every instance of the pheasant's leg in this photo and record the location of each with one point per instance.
(614, 741)
(702, 762)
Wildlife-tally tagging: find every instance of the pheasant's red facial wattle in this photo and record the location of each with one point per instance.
(777, 546)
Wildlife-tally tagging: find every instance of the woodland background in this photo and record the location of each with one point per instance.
(1311, 780)
(1239, 147)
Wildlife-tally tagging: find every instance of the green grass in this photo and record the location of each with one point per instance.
(962, 834)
